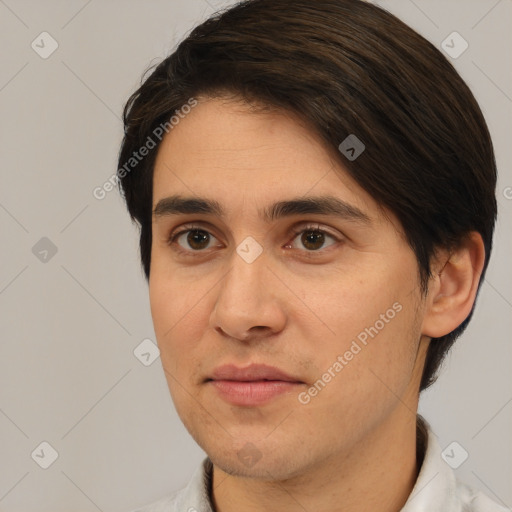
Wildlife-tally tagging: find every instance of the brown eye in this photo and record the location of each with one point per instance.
(197, 239)
(192, 240)
(313, 240)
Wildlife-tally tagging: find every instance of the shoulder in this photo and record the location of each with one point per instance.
(473, 500)
(437, 487)
(165, 504)
(195, 497)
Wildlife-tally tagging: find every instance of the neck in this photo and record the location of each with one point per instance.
(378, 474)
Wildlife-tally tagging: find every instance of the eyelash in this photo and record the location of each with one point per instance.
(297, 231)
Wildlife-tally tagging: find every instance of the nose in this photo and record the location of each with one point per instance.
(250, 301)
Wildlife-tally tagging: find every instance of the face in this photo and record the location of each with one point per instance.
(329, 298)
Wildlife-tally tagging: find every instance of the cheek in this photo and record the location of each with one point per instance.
(177, 333)
(369, 332)
(370, 376)
(175, 294)
(353, 303)
(180, 301)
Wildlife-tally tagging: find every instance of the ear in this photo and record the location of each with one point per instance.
(453, 286)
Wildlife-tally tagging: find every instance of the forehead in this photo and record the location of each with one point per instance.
(224, 151)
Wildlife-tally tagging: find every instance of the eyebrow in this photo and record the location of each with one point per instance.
(319, 205)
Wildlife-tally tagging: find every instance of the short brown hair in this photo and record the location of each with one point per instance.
(346, 67)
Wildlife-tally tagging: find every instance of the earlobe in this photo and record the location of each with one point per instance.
(453, 286)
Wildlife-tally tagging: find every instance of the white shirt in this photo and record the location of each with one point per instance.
(436, 488)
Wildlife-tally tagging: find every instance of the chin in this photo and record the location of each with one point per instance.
(250, 462)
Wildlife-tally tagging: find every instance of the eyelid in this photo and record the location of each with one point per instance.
(185, 228)
(313, 226)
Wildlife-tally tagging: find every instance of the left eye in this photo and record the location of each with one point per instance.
(313, 238)
(198, 239)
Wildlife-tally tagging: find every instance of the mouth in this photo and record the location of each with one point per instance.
(251, 373)
(252, 393)
(253, 385)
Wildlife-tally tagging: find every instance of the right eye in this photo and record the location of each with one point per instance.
(197, 239)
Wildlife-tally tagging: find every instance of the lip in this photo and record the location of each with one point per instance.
(253, 385)
(253, 372)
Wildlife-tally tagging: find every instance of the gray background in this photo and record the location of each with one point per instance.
(70, 321)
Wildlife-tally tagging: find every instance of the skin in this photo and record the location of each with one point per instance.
(352, 446)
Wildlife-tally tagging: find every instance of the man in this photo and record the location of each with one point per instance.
(315, 188)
